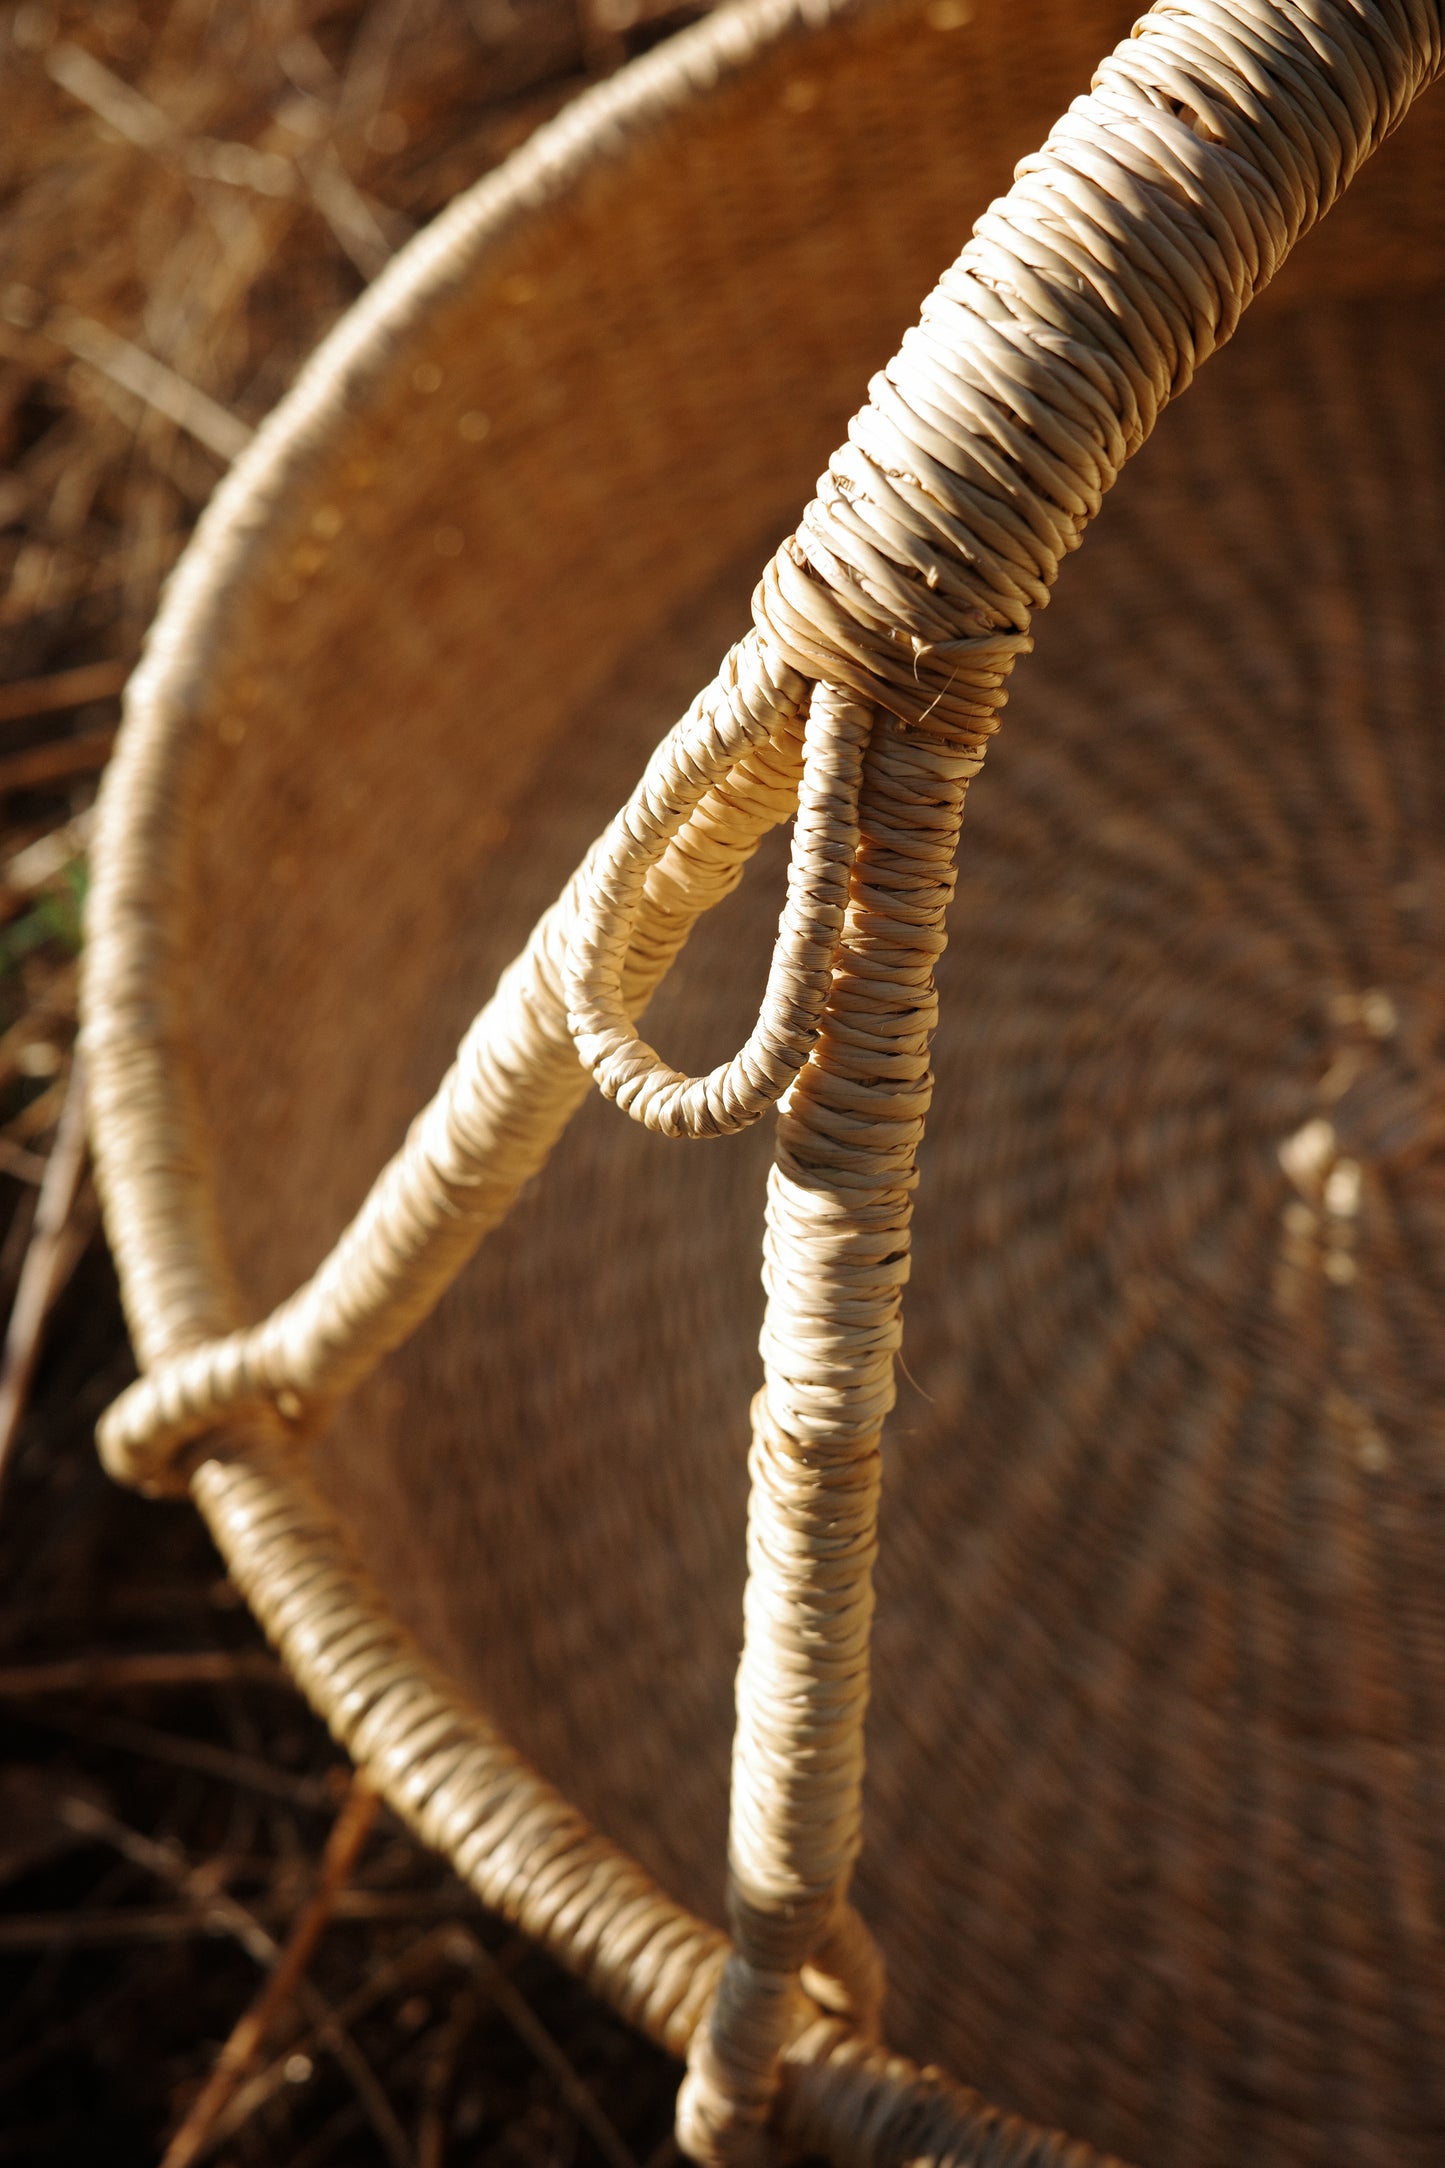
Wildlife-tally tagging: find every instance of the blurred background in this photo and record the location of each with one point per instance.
(213, 1944)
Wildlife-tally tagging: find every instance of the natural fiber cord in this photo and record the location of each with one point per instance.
(769, 178)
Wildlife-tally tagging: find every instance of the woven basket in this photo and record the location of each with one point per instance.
(1151, 1835)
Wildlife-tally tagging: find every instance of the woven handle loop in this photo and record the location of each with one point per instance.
(825, 840)
(727, 773)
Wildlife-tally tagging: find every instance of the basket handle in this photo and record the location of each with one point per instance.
(825, 835)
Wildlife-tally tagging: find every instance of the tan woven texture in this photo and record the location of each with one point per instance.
(1139, 1831)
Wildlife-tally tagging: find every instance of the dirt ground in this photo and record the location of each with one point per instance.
(213, 1945)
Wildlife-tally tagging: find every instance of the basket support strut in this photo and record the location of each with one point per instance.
(835, 1263)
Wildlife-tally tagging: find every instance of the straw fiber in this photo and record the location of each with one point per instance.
(1150, 1549)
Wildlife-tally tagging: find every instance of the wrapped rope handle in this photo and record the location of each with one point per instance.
(825, 836)
(1123, 256)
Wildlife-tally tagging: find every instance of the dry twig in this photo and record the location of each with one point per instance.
(154, 384)
(62, 689)
(534, 2035)
(36, 766)
(438, 2077)
(119, 1674)
(204, 1918)
(438, 1946)
(168, 1864)
(20, 1165)
(343, 1848)
(222, 1763)
(220, 1913)
(99, 1928)
(46, 1266)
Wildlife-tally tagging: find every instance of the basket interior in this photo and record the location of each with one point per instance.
(1156, 1750)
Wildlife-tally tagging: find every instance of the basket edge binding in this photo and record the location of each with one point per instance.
(1132, 214)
